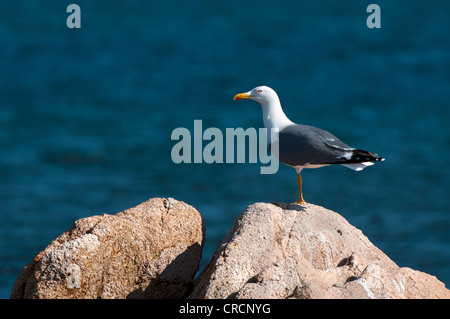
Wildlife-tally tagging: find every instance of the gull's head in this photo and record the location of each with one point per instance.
(261, 94)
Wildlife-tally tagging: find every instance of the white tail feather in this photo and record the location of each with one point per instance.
(358, 166)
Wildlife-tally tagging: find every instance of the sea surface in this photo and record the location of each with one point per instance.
(86, 115)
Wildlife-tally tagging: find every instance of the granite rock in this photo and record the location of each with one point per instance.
(305, 251)
(150, 251)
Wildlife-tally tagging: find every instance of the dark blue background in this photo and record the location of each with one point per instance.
(86, 114)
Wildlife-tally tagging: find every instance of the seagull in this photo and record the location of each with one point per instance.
(303, 146)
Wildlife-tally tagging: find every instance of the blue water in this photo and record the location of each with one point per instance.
(86, 114)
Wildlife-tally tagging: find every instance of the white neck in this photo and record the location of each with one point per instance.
(273, 114)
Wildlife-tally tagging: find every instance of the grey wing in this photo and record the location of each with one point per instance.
(344, 153)
(303, 145)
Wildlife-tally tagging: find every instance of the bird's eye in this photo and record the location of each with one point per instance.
(259, 91)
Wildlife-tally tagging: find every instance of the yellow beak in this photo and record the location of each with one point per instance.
(241, 96)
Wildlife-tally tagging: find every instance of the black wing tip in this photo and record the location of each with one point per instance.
(364, 156)
(360, 156)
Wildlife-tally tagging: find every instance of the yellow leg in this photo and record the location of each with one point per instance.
(299, 182)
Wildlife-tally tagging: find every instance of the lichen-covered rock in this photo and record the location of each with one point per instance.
(280, 251)
(150, 251)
